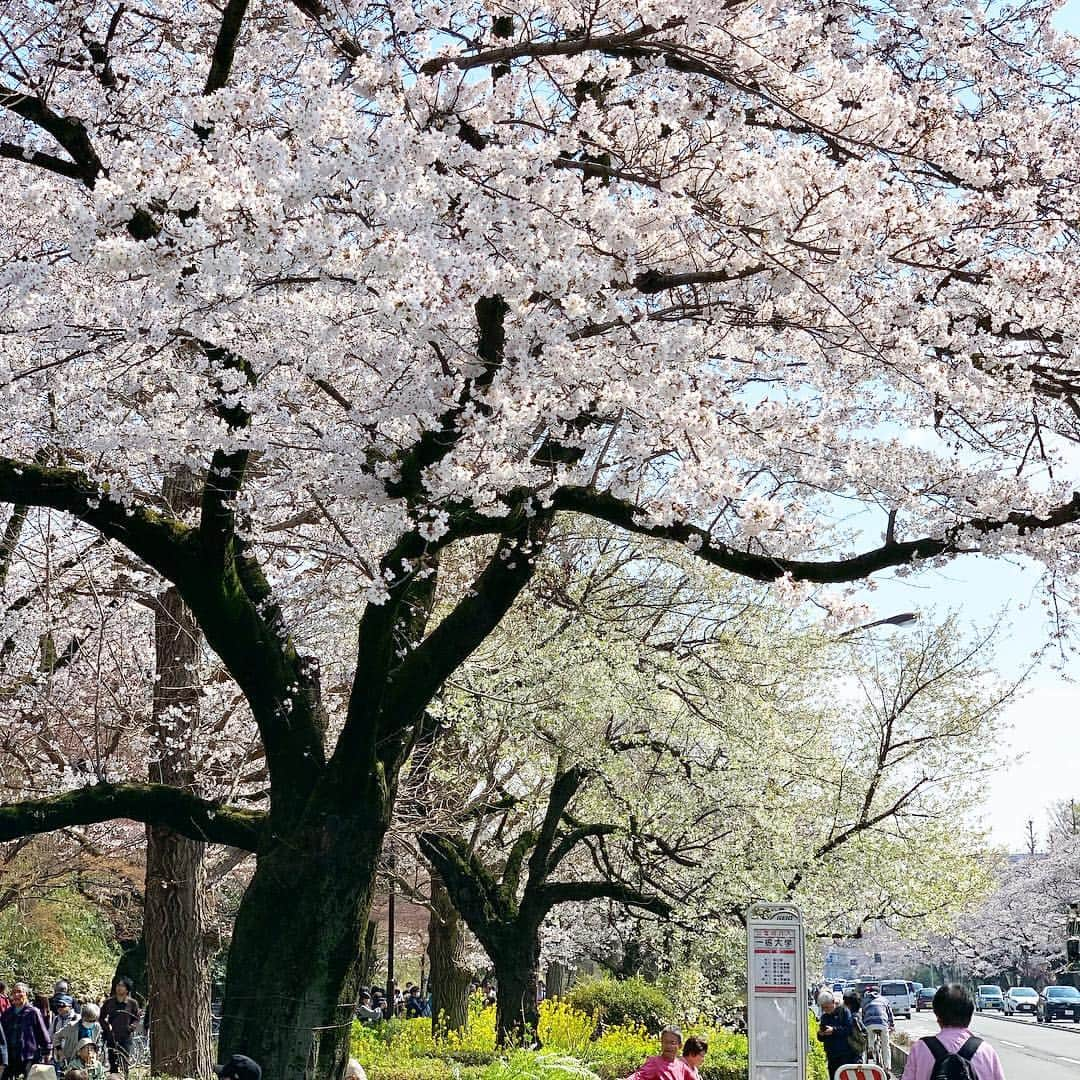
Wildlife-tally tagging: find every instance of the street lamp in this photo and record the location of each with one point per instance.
(902, 619)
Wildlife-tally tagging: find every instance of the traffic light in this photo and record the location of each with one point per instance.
(877, 958)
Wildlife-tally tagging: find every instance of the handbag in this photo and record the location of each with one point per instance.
(41, 1072)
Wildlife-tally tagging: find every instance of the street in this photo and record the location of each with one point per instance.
(1028, 1051)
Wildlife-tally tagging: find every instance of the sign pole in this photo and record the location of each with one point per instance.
(776, 1002)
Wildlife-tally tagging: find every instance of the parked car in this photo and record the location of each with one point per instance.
(1058, 1003)
(1021, 999)
(924, 998)
(896, 994)
(989, 997)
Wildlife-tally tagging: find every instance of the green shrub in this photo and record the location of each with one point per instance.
(623, 1001)
(817, 1065)
(65, 935)
(413, 1069)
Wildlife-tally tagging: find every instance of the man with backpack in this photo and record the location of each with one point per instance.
(954, 1053)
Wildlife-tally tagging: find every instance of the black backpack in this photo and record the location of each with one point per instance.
(953, 1066)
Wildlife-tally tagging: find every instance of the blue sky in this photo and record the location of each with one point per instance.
(1040, 739)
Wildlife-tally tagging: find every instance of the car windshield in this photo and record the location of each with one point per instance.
(1058, 993)
(1022, 991)
(990, 991)
(894, 989)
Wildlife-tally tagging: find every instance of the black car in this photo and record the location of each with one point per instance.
(924, 998)
(1058, 1003)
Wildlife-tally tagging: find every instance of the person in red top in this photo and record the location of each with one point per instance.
(667, 1065)
(693, 1054)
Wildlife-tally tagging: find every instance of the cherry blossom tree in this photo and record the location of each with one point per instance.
(391, 281)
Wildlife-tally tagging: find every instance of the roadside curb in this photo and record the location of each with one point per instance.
(1060, 1025)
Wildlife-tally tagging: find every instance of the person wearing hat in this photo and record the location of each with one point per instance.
(63, 1015)
(86, 1059)
(239, 1067)
(85, 1026)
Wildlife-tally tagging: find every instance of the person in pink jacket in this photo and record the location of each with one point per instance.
(667, 1065)
(953, 1007)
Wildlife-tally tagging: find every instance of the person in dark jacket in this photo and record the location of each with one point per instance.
(119, 1018)
(836, 1027)
(25, 1033)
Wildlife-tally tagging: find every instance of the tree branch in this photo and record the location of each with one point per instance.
(69, 133)
(563, 892)
(427, 667)
(153, 804)
(607, 507)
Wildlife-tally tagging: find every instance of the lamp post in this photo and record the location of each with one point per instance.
(902, 619)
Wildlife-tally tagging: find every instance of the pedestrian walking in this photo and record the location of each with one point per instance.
(693, 1054)
(667, 1065)
(63, 1015)
(86, 1060)
(834, 1032)
(878, 1017)
(26, 1035)
(85, 1026)
(954, 1053)
(119, 1017)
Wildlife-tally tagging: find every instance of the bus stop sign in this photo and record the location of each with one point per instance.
(776, 1003)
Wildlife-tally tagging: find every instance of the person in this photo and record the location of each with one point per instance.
(953, 1008)
(63, 1015)
(119, 1017)
(878, 1017)
(366, 1012)
(5, 1001)
(86, 1026)
(76, 1074)
(86, 1059)
(61, 989)
(666, 1065)
(834, 1032)
(25, 1033)
(354, 1070)
(414, 1004)
(693, 1054)
(239, 1067)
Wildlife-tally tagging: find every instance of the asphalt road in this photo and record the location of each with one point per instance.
(1028, 1051)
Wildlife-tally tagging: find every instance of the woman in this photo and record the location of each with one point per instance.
(26, 1034)
(66, 1044)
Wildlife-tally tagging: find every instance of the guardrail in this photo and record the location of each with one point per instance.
(899, 1059)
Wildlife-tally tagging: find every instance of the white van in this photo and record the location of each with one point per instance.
(898, 996)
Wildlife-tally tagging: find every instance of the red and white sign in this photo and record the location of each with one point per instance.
(772, 960)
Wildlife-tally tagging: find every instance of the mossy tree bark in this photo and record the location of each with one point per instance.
(450, 975)
(505, 911)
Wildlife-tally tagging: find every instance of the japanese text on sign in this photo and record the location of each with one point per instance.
(773, 960)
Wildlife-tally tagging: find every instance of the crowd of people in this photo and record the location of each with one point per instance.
(79, 1040)
(854, 1030)
(376, 1004)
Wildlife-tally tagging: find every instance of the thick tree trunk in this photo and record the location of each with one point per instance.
(295, 955)
(177, 955)
(517, 976)
(177, 908)
(450, 975)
